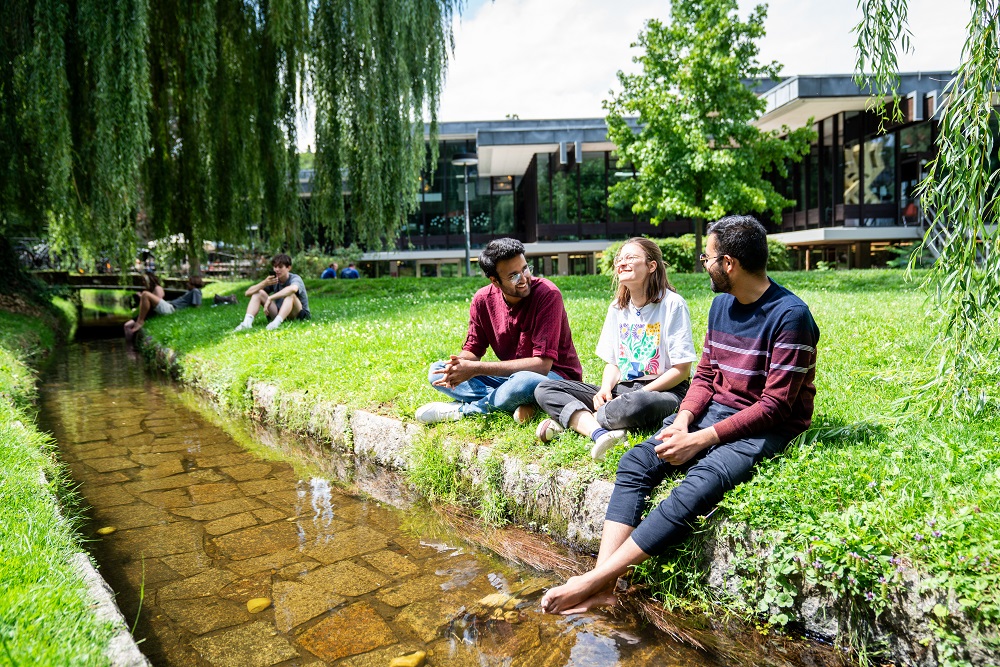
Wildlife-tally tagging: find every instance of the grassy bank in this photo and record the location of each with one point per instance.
(873, 494)
(45, 615)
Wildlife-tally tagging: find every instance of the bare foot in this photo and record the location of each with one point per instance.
(576, 596)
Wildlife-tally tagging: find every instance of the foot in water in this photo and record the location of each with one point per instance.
(576, 596)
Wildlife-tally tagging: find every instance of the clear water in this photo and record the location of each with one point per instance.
(202, 526)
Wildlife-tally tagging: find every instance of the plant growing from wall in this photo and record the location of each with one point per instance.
(698, 154)
(962, 194)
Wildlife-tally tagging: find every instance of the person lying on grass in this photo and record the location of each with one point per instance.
(151, 302)
(751, 394)
(648, 352)
(523, 320)
(282, 296)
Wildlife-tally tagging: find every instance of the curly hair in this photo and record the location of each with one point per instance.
(498, 250)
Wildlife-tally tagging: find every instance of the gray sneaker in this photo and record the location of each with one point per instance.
(606, 442)
(438, 411)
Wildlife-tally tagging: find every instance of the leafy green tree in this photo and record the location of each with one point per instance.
(187, 109)
(962, 195)
(698, 154)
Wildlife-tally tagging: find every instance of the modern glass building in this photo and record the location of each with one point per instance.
(855, 191)
(546, 182)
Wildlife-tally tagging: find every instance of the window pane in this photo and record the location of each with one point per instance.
(592, 188)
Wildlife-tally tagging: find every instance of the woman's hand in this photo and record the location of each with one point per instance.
(603, 395)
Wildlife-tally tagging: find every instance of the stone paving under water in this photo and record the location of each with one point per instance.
(202, 527)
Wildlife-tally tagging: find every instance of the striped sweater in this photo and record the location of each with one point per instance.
(759, 358)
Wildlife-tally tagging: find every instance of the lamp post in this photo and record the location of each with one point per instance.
(466, 160)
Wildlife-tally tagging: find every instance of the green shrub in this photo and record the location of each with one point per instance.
(778, 258)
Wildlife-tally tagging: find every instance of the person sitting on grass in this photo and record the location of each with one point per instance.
(150, 302)
(350, 273)
(648, 352)
(751, 395)
(282, 296)
(523, 320)
(329, 272)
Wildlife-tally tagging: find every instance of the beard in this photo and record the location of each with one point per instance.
(720, 280)
(514, 292)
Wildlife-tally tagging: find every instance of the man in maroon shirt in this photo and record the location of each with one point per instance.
(523, 320)
(751, 395)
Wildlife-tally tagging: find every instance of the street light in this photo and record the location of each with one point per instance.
(466, 160)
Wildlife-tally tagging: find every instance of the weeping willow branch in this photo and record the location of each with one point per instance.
(187, 108)
(962, 193)
(377, 66)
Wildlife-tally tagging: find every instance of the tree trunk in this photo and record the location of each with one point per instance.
(194, 258)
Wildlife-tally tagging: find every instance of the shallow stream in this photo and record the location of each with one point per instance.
(202, 525)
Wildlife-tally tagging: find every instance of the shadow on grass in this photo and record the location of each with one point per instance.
(836, 432)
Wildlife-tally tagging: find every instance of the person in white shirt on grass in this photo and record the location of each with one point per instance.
(648, 351)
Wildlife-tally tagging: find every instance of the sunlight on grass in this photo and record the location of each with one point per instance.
(871, 486)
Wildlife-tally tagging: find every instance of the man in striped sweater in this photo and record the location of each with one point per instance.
(752, 393)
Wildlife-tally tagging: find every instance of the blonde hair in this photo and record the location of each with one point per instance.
(656, 285)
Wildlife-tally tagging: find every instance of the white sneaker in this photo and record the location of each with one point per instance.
(272, 325)
(606, 442)
(243, 326)
(438, 411)
(548, 429)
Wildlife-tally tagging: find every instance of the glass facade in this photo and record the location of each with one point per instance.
(856, 175)
(439, 222)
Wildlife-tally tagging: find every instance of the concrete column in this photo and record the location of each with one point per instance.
(547, 265)
(864, 255)
(808, 258)
(563, 264)
(437, 269)
(591, 264)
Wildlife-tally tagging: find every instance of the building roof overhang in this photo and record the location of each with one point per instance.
(542, 249)
(795, 100)
(847, 235)
(505, 147)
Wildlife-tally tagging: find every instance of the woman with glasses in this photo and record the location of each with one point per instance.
(647, 348)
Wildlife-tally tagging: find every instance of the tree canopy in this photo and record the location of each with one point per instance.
(698, 154)
(186, 110)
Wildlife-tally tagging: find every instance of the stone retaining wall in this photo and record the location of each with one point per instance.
(370, 451)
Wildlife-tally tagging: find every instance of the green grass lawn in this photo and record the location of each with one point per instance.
(45, 616)
(873, 491)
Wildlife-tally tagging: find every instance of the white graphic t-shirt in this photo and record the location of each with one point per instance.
(647, 340)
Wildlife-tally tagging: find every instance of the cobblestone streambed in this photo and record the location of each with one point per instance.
(226, 558)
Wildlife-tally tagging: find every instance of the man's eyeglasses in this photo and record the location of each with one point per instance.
(628, 259)
(515, 278)
(704, 258)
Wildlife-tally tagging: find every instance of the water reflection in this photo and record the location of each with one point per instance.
(204, 527)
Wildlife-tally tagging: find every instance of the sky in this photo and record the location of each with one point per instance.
(559, 58)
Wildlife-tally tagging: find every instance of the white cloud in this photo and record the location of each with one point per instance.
(558, 58)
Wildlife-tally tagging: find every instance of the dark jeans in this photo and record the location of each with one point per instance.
(709, 475)
(630, 409)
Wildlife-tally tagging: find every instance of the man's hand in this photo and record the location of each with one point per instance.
(603, 395)
(679, 446)
(270, 280)
(456, 371)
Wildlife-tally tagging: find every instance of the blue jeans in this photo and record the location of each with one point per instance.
(710, 474)
(486, 393)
